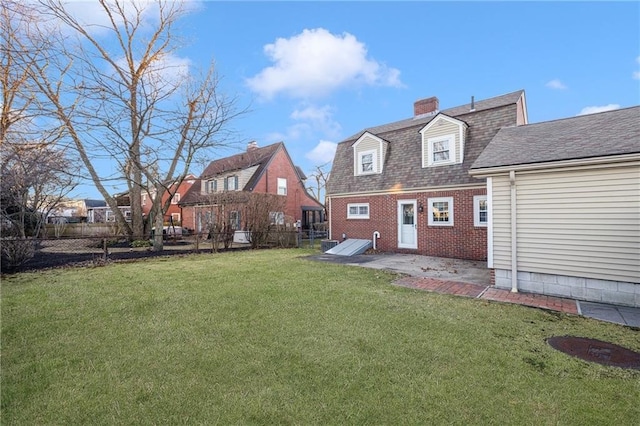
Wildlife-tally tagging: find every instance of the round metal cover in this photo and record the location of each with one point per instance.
(596, 351)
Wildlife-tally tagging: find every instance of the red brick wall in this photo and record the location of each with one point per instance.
(461, 241)
(281, 167)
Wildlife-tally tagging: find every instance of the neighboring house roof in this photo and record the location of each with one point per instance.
(95, 203)
(481, 105)
(254, 157)
(595, 135)
(403, 164)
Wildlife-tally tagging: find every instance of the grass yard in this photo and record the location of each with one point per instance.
(269, 337)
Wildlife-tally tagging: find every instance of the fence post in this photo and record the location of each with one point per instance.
(106, 251)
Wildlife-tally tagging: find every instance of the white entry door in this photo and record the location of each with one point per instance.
(407, 226)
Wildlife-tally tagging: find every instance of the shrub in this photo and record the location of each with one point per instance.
(16, 251)
(141, 243)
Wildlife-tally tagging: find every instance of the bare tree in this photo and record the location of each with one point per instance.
(124, 97)
(36, 172)
(320, 177)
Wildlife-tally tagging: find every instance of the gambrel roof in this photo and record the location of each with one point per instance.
(403, 163)
(603, 134)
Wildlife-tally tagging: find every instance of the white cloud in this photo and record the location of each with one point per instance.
(596, 109)
(322, 153)
(319, 118)
(556, 84)
(91, 15)
(315, 63)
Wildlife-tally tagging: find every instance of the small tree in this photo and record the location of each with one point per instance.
(262, 212)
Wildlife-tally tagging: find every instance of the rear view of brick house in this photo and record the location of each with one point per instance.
(409, 182)
(258, 170)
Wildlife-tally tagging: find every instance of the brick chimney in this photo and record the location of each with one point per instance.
(425, 106)
(252, 145)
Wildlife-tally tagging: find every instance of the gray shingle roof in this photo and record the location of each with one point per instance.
(403, 164)
(587, 136)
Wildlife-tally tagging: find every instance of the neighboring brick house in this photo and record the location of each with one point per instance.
(264, 170)
(174, 212)
(409, 180)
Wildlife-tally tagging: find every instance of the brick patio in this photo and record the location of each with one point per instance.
(489, 293)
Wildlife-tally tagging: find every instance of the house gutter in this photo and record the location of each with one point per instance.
(514, 234)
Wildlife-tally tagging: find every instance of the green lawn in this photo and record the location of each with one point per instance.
(269, 337)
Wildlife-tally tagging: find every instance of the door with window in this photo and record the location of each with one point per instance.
(407, 226)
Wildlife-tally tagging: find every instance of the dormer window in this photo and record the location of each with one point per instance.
(443, 141)
(368, 155)
(442, 150)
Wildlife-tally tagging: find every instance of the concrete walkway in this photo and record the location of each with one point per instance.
(472, 279)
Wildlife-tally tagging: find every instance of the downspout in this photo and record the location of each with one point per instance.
(376, 235)
(514, 234)
(327, 212)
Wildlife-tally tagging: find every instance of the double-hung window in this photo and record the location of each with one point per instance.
(176, 198)
(480, 210)
(358, 211)
(231, 183)
(282, 186)
(441, 150)
(367, 162)
(440, 211)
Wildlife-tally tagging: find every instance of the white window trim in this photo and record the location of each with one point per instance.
(176, 198)
(358, 215)
(430, 203)
(476, 211)
(282, 184)
(175, 217)
(451, 139)
(374, 157)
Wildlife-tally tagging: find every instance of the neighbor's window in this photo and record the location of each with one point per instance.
(441, 211)
(212, 186)
(367, 162)
(441, 150)
(231, 183)
(276, 218)
(176, 198)
(282, 186)
(234, 220)
(358, 211)
(175, 218)
(480, 210)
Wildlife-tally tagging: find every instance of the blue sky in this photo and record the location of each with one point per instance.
(315, 73)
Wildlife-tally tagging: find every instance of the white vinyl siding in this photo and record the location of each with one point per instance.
(582, 222)
(501, 221)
